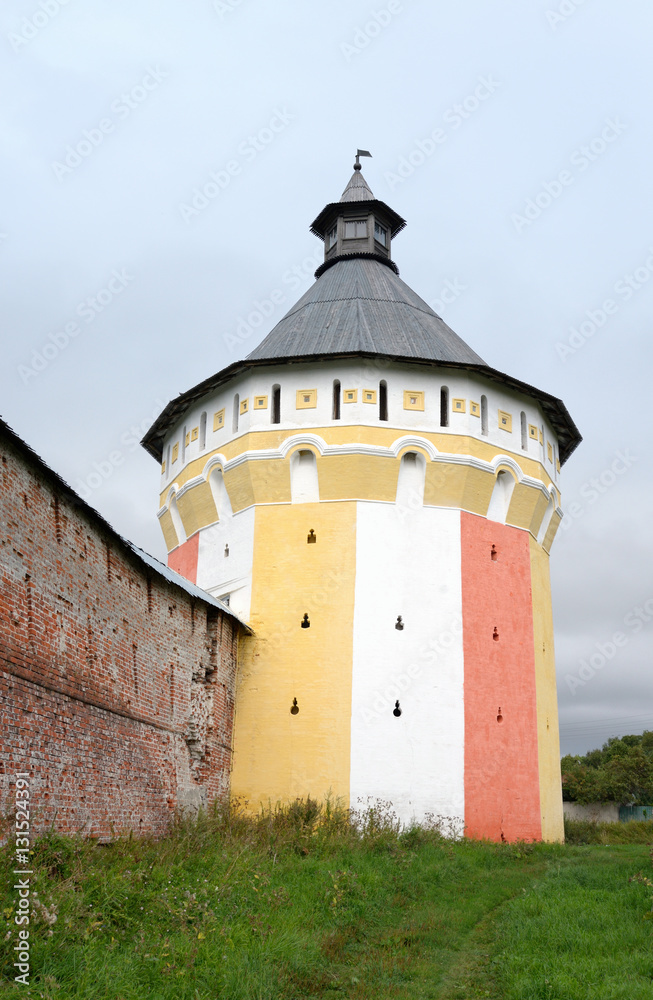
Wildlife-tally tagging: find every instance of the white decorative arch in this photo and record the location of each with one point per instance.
(411, 479)
(500, 462)
(216, 459)
(548, 514)
(220, 493)
(298, 441)
(414, 441)
(304, 485)
(501, 496)
(177, 522)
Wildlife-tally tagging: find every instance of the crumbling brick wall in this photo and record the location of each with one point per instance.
(116, 684)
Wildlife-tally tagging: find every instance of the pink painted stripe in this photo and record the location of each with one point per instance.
(184, 558)
(502, 792)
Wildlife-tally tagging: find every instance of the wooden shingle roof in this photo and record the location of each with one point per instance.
(362, 305)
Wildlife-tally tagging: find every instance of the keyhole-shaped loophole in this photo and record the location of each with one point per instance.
(493, 553)
(311, 537)
(396, 711)
(305, 622)
(499, 715)
(295, 707)
(226, 551)
(495, 634)
(399, 624)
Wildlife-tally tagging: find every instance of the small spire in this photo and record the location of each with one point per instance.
(359, 153)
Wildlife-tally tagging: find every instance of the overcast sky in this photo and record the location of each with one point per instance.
(515, 139)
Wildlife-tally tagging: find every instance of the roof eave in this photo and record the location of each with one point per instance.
(569, 436)
(319, 225)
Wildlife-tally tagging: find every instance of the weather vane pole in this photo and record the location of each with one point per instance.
(359, 153)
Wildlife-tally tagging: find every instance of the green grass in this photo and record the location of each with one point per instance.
(303, 904)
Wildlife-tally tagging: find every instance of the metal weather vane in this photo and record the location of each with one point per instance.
(359, 153)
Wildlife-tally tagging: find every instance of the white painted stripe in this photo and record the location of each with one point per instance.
(408, 563)
(232, 574)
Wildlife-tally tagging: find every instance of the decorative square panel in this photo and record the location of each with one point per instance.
(218, 420)
(369, 395)
(458, 405)
(475, 409)
(505, 420)
(413, 400)
(350, 396)
(306, 399)
(260, 402)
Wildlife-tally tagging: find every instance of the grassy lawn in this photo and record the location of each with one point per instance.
(285, 907)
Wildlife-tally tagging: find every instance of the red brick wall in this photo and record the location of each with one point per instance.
(116, 686)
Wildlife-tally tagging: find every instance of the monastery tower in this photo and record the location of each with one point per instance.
(379, 505)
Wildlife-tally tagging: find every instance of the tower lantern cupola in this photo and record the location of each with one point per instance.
(358, 225)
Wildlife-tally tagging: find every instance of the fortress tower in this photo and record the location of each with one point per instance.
(379, 504)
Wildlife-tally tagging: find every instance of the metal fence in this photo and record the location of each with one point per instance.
(635, 812)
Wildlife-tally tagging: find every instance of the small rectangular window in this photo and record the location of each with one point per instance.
(355, 230)
(380, 234)
(332, 237)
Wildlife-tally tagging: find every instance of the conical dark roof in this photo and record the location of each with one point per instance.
(358, 189)
(362, 305)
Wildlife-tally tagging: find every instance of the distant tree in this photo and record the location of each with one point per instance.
(621, 771)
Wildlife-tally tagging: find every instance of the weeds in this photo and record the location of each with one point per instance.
(314, 900)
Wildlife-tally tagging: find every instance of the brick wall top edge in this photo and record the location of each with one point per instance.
(22, 451)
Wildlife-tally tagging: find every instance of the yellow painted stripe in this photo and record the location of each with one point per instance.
(456, 444)
(360, 477)
(547, 701)
(279, 756)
